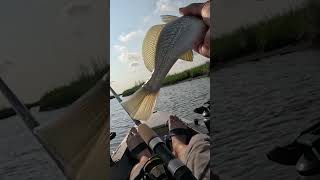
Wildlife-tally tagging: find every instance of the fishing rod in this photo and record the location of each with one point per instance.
(18, 106)
(26, 116)
(136, 122)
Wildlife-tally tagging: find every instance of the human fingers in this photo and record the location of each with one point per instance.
(193, 9)
(202, 46)
(205, 13)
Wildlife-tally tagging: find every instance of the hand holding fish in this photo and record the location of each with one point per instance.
(202, 46)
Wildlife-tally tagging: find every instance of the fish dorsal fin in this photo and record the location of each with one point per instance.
(150, 45)
(168, 18)
(187, 56)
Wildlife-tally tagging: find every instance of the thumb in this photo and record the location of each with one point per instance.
(193, 9)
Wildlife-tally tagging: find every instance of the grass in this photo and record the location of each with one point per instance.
(174, 78)
(187, 74)
(278, 31)
(130, 91)
(67, 94)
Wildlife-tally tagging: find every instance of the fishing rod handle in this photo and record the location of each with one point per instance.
(146, 133)
(175, 166)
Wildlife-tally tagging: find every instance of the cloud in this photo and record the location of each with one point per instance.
(124, 38)
(172, 6)
(125, 56)
(134, 65)
(164, 6)
(119, 48)
(146, 19)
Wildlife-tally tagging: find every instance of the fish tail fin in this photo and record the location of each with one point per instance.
(141, 104)
(187, 56)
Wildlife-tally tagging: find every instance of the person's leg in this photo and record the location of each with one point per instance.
(179, 142)
(140, 151)
(195, 154)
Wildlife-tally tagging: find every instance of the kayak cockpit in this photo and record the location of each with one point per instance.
(123, 161)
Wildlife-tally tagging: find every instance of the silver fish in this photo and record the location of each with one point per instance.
(163, 45)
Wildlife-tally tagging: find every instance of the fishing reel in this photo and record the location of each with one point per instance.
(177, 170)
(153, 169)
(303, 152)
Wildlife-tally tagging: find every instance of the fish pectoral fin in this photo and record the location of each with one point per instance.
(187, 56)
(150, 45)
(168, 18)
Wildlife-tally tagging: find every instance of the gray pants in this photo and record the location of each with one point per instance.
(197, 157)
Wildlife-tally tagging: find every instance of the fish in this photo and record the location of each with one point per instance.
(162, 46)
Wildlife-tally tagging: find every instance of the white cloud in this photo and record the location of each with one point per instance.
(125, 56)
(119, 48)
(172, 6)
(124, 38)
(134, 65)
(164, 6)
(146, 19)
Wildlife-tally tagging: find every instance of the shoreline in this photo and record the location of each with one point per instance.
(201, 70)
(183, 81)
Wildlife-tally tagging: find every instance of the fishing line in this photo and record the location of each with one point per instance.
(136, 122)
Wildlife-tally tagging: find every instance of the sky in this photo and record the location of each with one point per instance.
(129, 22)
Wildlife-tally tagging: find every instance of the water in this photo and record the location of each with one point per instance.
(259, 105)
(179, 99)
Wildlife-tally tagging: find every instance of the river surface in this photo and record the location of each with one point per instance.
(179, 99)
(258, 105)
